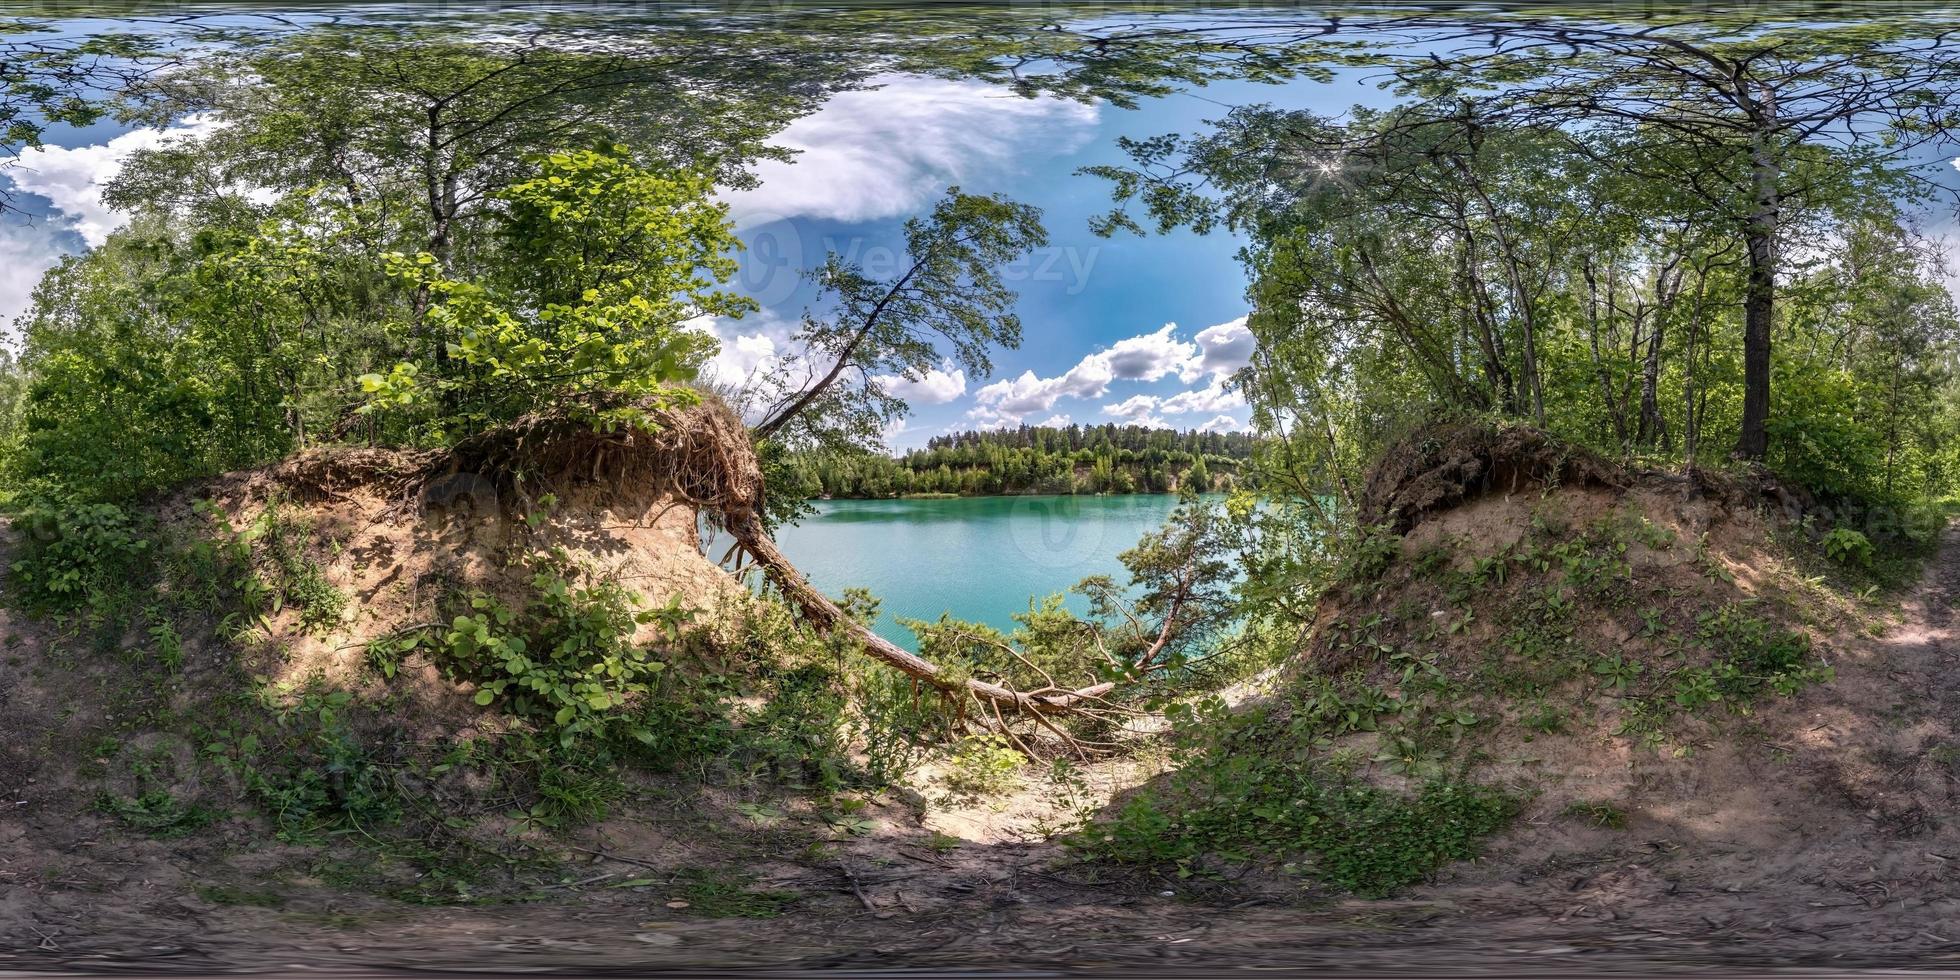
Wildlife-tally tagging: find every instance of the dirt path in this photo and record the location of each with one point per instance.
(1875, 887)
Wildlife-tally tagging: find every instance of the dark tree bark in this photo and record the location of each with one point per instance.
(1758, 308)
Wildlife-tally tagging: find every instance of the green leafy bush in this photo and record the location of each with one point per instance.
(1347, 833)
(71, 551)
(603, 259)
(309, 771)
(1236, 799)
(566, 659)
(984, 765)
(1848, 547)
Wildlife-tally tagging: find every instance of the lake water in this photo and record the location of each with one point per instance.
(979, 558)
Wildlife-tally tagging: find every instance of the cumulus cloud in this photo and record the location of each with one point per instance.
(28, 249)
(1217, 351)
(72, 178)
(1057, 422)
(750, 348)
(1150, 356)
(886, 151)
(1016, 398)
(936, 387)
(1132, 408)
(1137, 410)
(1224, 348)
(1204, 401)
(1223, 423)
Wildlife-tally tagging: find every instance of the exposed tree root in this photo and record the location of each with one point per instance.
(1442, 465)
(701, 455)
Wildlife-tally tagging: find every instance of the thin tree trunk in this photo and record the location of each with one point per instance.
(1758, 304)
(824, 614)
(1600, 370)
(774, 423)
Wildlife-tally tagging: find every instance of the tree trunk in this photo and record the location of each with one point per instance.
(1653, 425)
(1758, 304)
(824, 614)
(1605, 376)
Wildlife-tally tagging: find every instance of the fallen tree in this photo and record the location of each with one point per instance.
(700, 456)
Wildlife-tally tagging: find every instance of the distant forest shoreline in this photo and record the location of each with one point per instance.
(1077, 460)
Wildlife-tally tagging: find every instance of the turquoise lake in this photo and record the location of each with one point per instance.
(978, 558)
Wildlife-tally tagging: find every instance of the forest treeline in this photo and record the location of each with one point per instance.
(1106, 458)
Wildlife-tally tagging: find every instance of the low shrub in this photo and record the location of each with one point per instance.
(1848, 547)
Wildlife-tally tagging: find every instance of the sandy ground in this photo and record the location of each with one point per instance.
(1732, 887)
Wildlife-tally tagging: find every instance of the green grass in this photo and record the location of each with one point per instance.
(157, 813)
(1598, 814)
(718, 894)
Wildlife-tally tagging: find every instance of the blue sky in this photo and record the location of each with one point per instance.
(1124, 329)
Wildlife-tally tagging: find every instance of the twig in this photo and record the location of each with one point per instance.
(614, 857)
(582, 881)
(857, 889)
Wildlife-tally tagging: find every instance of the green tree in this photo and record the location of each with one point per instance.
(948, 291)
(603, 261)
(1198, 477)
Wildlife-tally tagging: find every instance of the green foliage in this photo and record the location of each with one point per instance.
(874, 328)
(721, 894)
(291, 570)
(604, 260)
(1341, 830)
(171, 353)
(1076, 459)
(569, 792)
(1598, 814)
(1848, 547)
(1367, 555)
(1754, 654)
(566, 659)
(73, 551)
(984, 765)
(1506, 271)
(157, 813)
(311, 773)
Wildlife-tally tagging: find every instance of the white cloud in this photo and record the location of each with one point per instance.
(1150, 356)
(1202, 401)
(1057, 422)
(749, 348)
(1138, 410)
(28, 249)
(986, 422)
(887, 151)
(1223, 423)
(1226, 347)
(71, 178)
(1133, 408)
(936, 387)
(742, 355)
(1017, 396)
(1219, 351)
